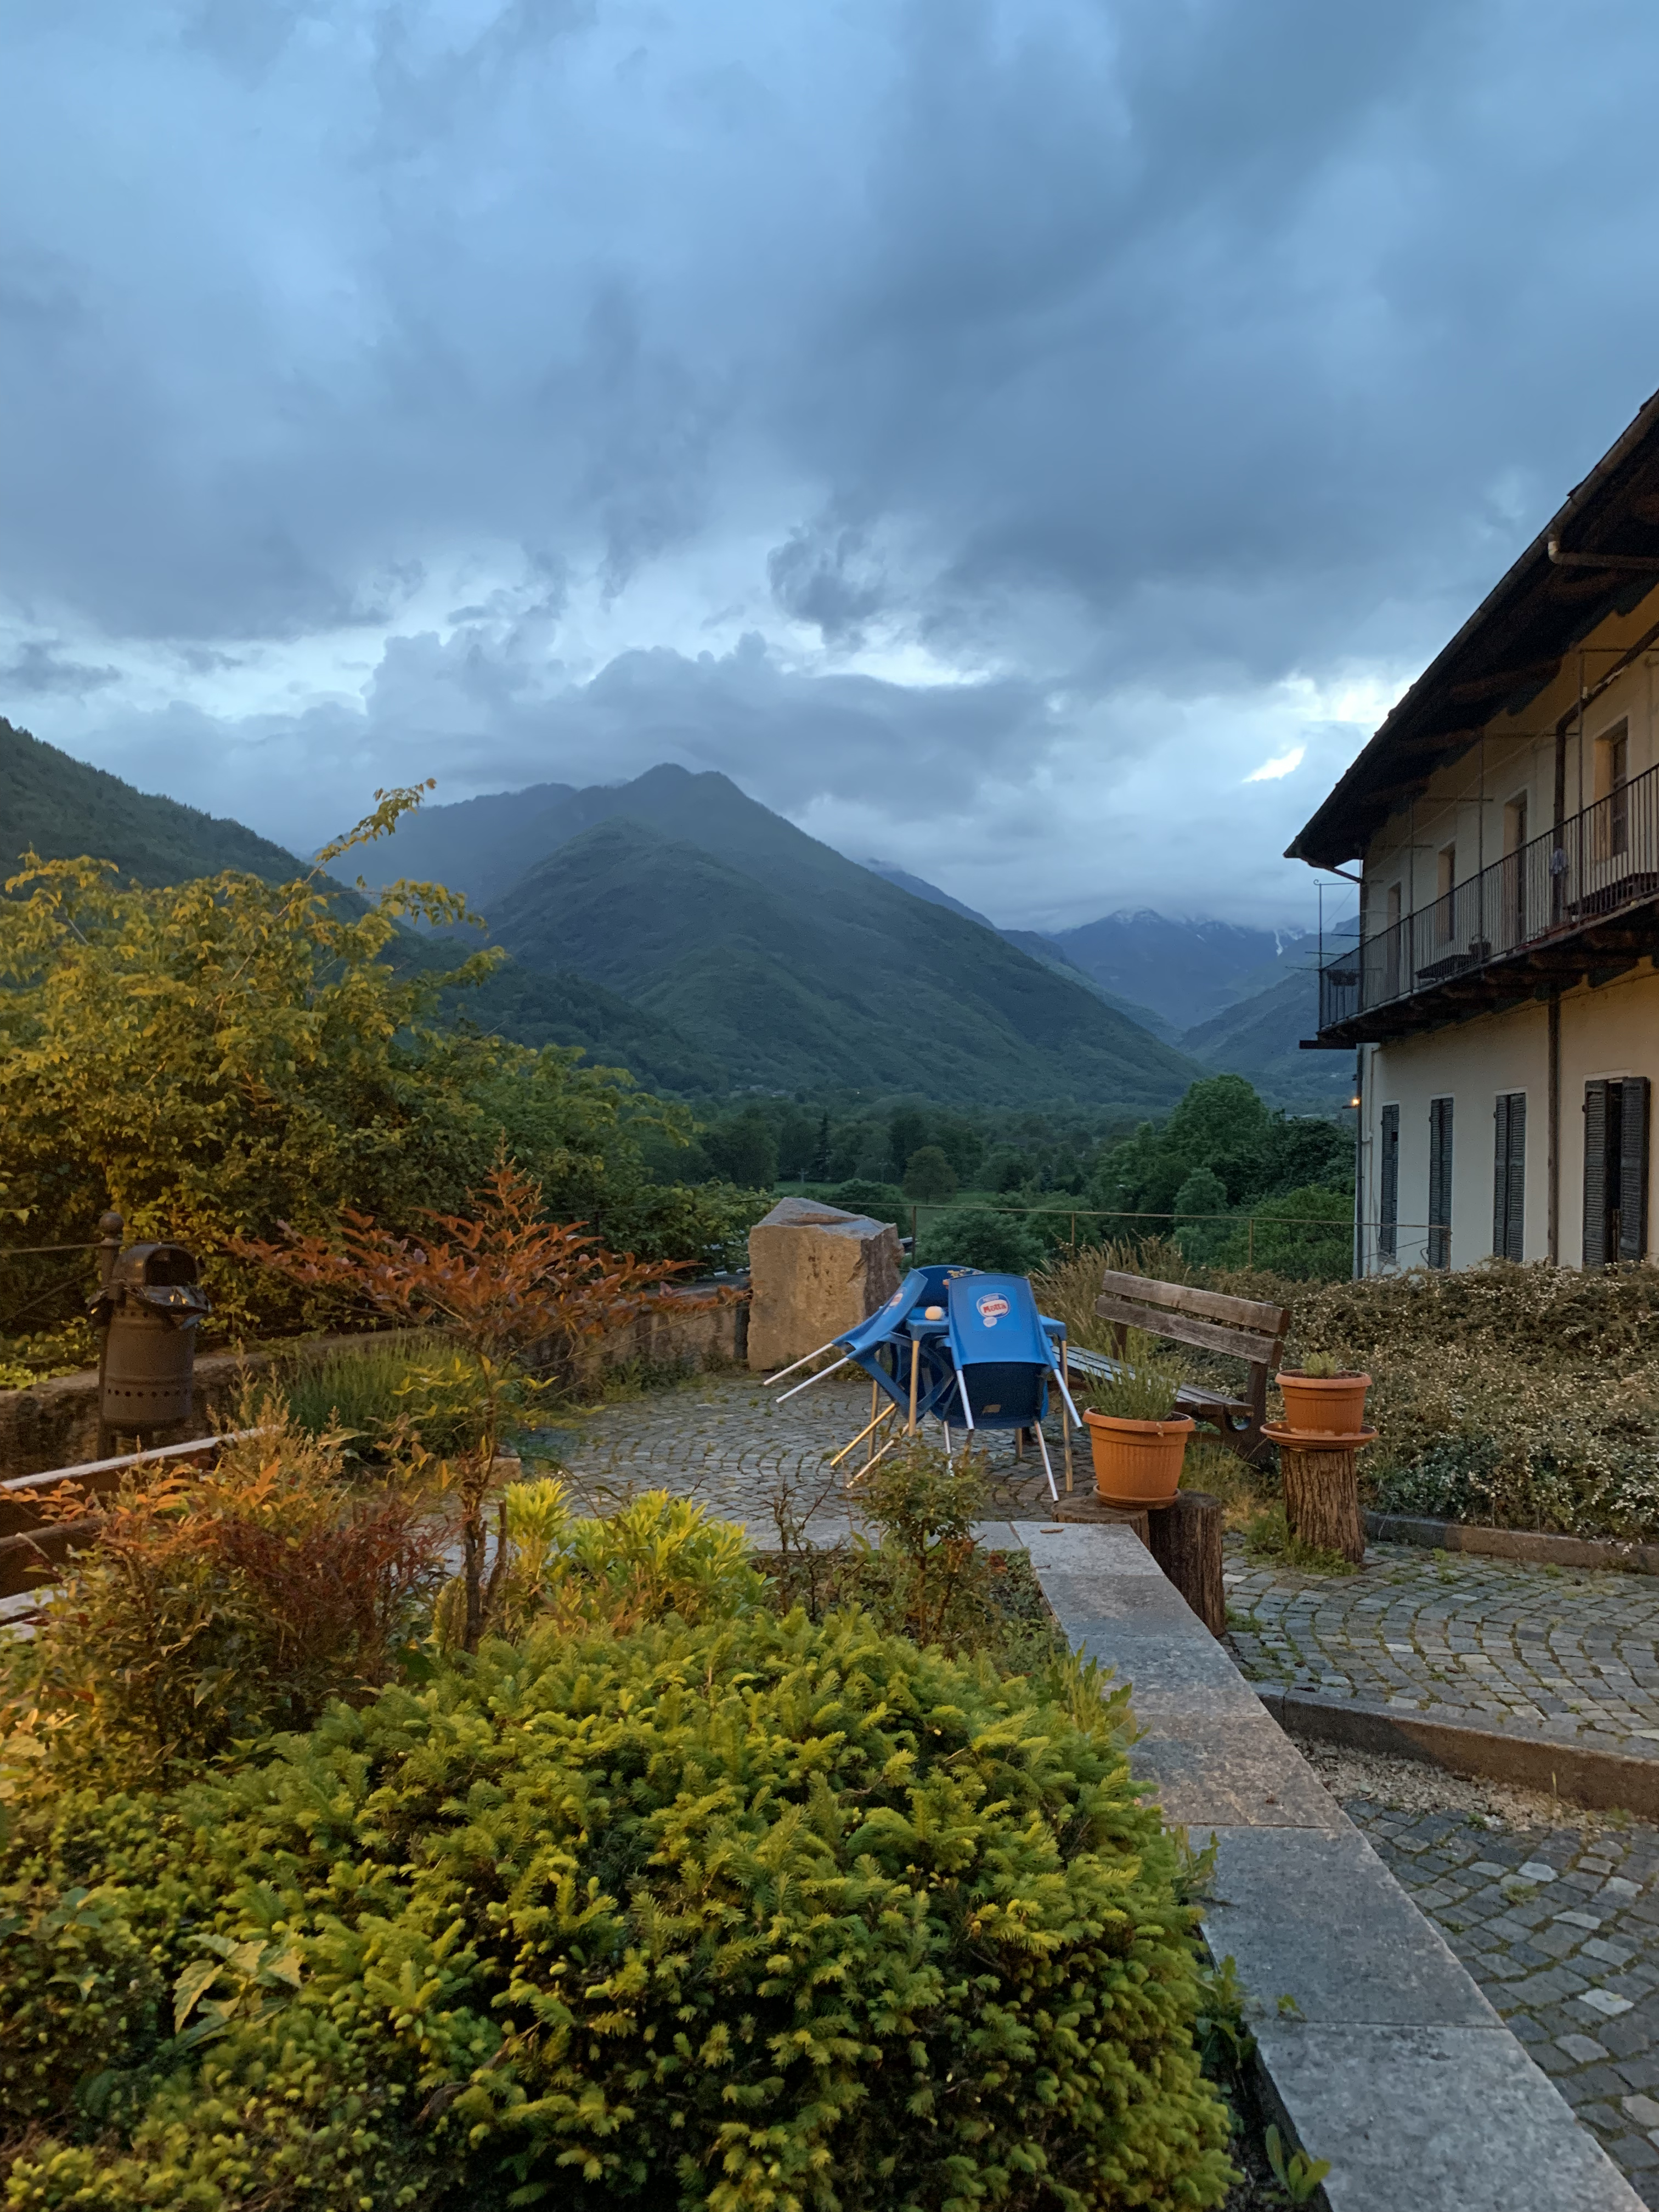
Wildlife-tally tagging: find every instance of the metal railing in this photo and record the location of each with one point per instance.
(1599, 862)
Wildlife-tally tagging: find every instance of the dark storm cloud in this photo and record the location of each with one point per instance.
(1093, 348)
(37, 667)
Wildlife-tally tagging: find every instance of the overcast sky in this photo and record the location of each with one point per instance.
(1030, 443)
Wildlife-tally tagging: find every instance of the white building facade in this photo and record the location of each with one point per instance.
(1502, 999)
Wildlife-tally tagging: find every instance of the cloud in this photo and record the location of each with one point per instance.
(1281, 764)
(37, 667)
(1049, 806)
(998, 410)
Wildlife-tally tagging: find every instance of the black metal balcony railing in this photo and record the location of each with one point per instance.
(1598, 863)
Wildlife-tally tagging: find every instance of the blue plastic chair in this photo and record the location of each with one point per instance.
(1003, 1358)
(892, 1357)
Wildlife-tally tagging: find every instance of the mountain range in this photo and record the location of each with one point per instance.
(676, 926)
(795, 966)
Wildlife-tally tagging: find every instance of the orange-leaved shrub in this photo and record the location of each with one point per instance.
(519, 1291)
(219, 1607)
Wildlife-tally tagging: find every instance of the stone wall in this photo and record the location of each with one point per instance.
(55, 1424)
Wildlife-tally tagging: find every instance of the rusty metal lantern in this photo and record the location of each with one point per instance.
(147, 1313)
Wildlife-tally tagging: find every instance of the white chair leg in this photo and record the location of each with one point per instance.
(1042, 1446)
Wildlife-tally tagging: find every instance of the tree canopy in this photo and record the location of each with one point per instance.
(220, 1057)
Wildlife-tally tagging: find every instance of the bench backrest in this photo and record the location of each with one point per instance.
(1210, 1320)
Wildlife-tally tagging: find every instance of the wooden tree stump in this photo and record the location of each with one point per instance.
(1186, 1541)
(1086, 1505)
(1321, 1496)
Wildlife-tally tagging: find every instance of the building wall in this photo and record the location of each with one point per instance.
(1463, 805)
(1611, 1030)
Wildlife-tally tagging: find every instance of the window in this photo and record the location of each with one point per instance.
(1509, 1180)
(1440, 1182)
(1615, 1169)
(1388, 1192)
(1445, 888)
(1613, 793)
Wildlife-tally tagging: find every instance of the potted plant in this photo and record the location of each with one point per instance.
(1138, 1439)
(1322, 1397)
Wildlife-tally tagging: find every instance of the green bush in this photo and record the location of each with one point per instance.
(1203, 1193)
(882, 1201)
(978, 1236)
(756, 1914)
(1524, 1397)
(1290, 1236)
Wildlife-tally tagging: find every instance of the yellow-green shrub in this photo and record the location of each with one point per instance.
(754, 1914)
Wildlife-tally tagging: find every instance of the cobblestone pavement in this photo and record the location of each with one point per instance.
(725, 1440)
(1560, 1924)
(1563, 1653)
(1570, 1654)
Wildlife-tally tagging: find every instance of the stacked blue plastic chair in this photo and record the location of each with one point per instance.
(902, 1365)
(1003, 1358)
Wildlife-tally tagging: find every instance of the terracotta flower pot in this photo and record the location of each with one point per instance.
(1137, 1462)
(1324, 1404)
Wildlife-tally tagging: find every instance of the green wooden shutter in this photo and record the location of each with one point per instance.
(1509, 1176)
(1440, 1182)
(1633, 1169)
(1514, 1217)
(1596, 1174)
(1388, 1234)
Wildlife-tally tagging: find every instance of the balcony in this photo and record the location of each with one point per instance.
(1580, 902)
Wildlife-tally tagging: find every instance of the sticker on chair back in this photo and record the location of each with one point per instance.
(990, 1307)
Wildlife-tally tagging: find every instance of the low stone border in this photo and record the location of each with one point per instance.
(1528, 1543)
(54, 1424)
(1389, 2061)
(1582, 1774)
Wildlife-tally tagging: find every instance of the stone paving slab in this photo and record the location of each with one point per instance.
(1386, 2058)
(1560, 1927)
(1560, 1654)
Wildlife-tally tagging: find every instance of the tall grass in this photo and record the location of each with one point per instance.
(372, 1393)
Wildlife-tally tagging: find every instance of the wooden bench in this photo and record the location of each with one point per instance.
(1209, 1320)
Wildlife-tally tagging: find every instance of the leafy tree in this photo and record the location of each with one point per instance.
(797, 1139)
(960, 1143)
(229, 1053)
(1290, 1238)
(1203, 1193)
(1222, 1128)
(1004, 1169)
(907, 1133)
(930, 1176)
(979, 1236)
(880, 1200)
(744, 1150)
(819, 1168)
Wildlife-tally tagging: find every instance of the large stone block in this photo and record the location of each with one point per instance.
(814, 1271)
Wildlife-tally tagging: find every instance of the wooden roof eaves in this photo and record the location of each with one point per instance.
(1340, 829)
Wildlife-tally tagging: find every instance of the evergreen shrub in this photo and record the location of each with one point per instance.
(751, 1914)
